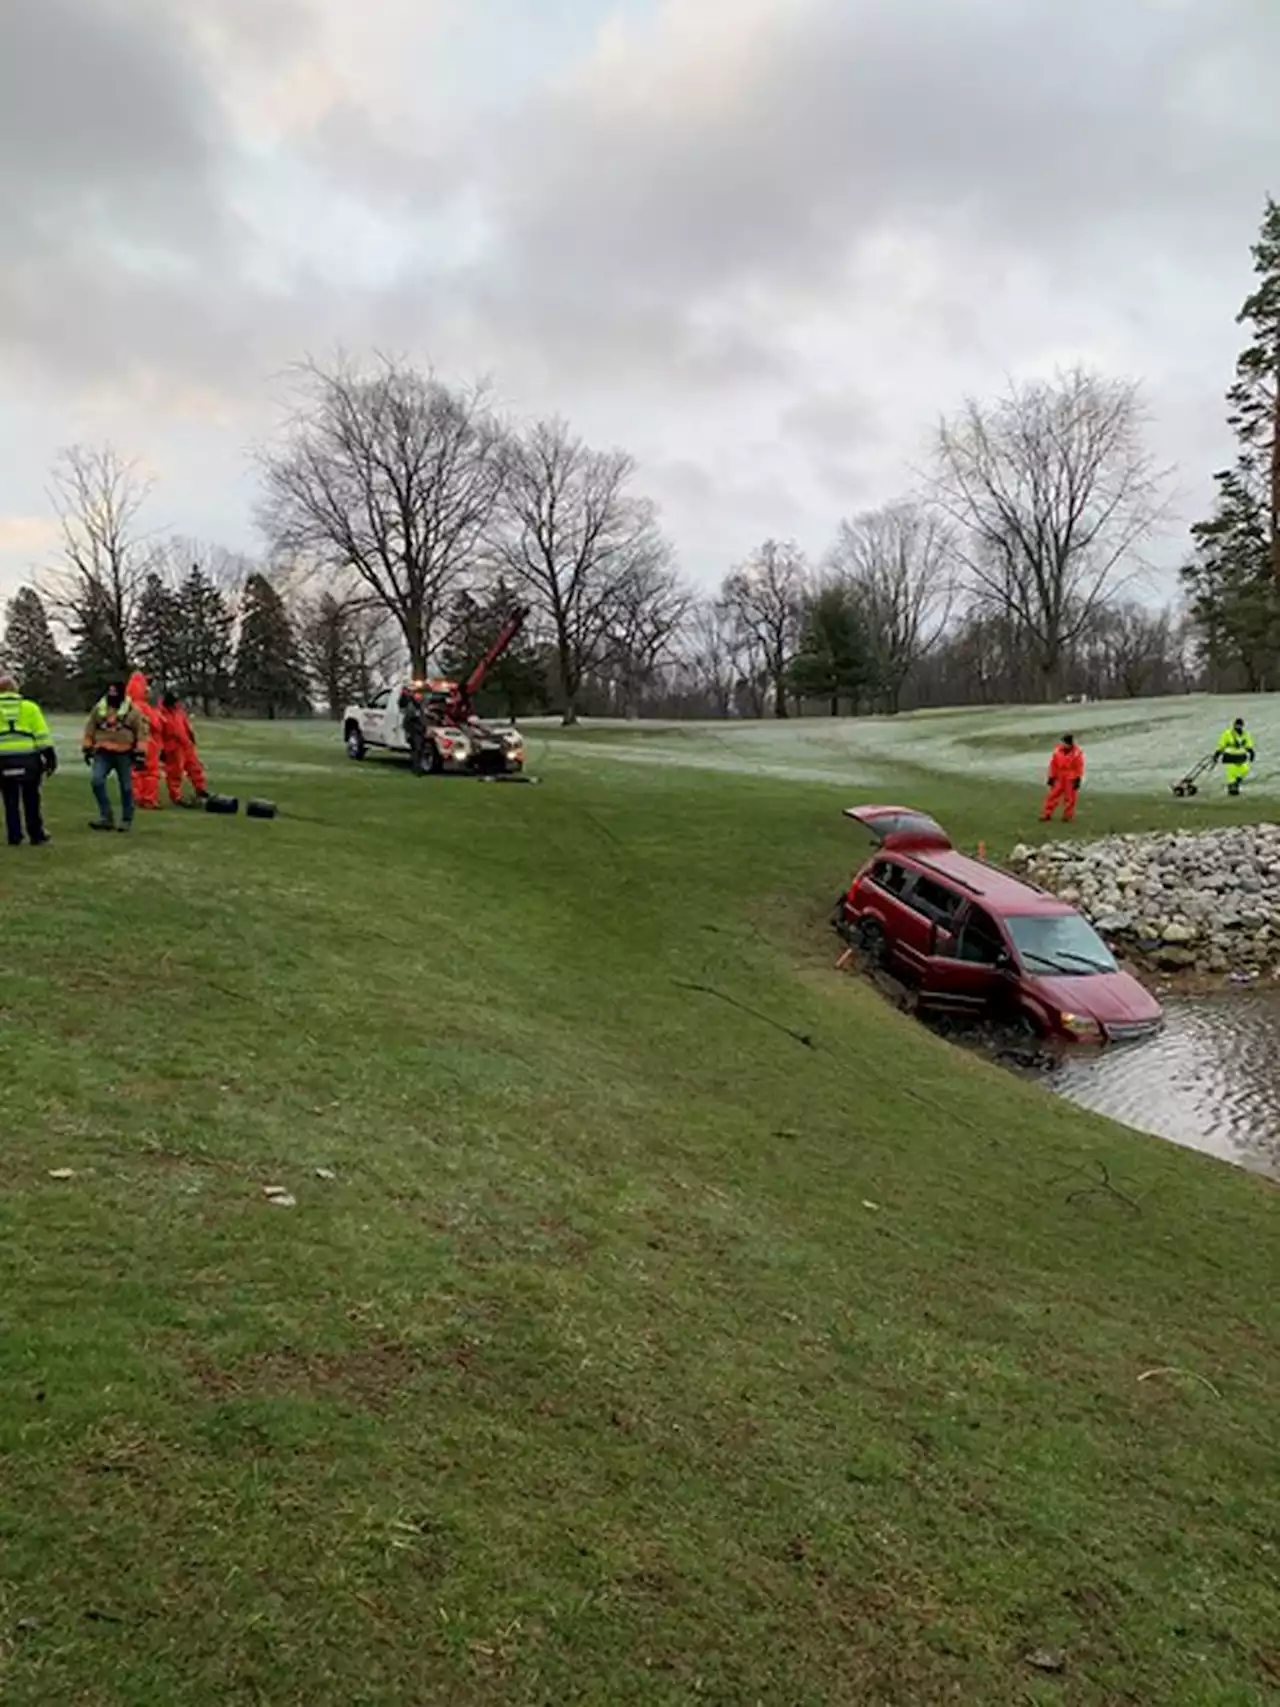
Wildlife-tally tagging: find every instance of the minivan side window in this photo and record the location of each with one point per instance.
(886, 875)
(979, 942)
(933, 900)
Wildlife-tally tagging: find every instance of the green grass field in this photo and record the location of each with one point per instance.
(681, 1324)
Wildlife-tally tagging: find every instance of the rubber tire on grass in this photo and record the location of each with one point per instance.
(432, 763)
(356, 748)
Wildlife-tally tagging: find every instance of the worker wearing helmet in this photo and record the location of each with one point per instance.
(115, 740)
(1236, 751)
(1066, 773)
(178, 742)
(146, 787)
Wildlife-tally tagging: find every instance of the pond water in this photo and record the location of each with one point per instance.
(1210, 1080)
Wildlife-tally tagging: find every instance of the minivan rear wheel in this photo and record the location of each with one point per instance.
(872, 943)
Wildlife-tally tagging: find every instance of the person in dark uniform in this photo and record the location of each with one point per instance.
(26, 758)
(414, 719)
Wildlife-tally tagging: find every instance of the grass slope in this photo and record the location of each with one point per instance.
(1134, 747)
(681, 1324)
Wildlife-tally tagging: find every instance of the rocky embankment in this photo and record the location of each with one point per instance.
(1206, 903)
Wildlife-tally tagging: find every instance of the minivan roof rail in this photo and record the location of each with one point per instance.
(1026, 882)
(947, 876)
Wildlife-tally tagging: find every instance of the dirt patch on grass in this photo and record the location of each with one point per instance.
(367, 1376)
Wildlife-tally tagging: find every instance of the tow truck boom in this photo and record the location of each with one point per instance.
(461, 707)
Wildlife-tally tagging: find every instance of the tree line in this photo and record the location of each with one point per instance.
(404, 520)
(198, 620)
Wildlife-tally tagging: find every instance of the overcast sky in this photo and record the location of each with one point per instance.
(760, 243)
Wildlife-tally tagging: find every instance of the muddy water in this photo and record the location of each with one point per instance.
(1211, 1080)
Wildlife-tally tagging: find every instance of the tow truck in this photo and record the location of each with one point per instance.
(452, 737)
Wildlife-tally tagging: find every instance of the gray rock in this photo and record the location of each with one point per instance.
(1111, 923)
(1174, 959)
(1178, 931)
(1214, 894)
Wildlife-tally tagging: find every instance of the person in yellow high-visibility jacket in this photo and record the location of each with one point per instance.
(26, 758)
(1236, 752)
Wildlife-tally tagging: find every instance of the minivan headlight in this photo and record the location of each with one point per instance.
(1081, 1025)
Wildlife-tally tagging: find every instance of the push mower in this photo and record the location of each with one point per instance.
(1189, 784)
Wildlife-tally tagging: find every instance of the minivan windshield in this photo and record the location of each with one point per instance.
(1059, 942)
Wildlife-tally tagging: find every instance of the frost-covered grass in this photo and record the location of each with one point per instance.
(1131, 746)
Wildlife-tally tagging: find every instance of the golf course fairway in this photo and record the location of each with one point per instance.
(659, 1317)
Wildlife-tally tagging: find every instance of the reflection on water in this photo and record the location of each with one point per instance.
(1211, 1080)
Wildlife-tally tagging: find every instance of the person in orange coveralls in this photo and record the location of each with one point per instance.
(146, 783)
(1066, 773)
(179, 742)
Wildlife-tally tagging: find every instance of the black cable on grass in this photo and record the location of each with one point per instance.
(1103, 1185)
(742, 1007)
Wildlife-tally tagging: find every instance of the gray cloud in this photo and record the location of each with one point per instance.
(763, 242)
(109, 133)
(1026, 120)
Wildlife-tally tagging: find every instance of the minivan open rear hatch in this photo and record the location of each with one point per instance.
(899, 826)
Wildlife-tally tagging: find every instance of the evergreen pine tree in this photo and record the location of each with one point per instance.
(834, 660)
(1233, 580)
(204, 642)
(32, 654)
(157, 635)
(1234, 597)
(269, 674)
(329, 650)
(1255, 396)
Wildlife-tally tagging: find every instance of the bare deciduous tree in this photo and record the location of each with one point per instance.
(764, 598)
(1130, 650)
(574, 537)
(94, 592)
(392, 477)
(649, 613)
(901, 562)
(1053, 493)
(348, 646)
(713, 655)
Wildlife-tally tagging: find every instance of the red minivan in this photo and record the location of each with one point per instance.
(971, 937)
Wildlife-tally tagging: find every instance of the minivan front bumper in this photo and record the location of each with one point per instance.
(1131, 1031)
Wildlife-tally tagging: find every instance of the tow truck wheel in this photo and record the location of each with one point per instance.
(432, 763)
(355, 742)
